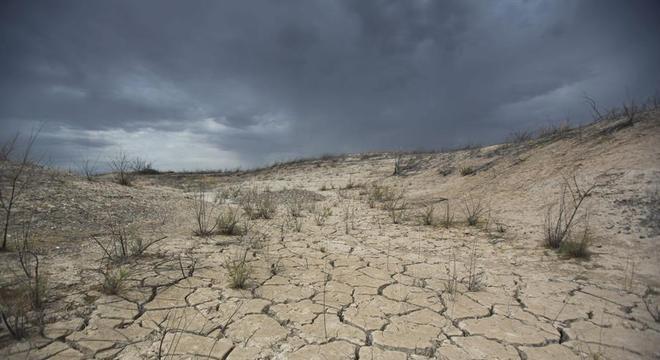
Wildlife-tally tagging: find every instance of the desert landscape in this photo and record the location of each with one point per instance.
(544, 247)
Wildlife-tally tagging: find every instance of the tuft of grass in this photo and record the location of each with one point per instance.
(228, 221)
(259, 204)
(577, 247)
(321, 214)
(124, 242)
(466, 170)
(114, 280)
(239, 271)
(473, 209)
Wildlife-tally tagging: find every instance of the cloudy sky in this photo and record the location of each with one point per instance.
(215, 84)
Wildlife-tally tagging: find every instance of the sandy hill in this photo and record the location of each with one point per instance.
(333, 257)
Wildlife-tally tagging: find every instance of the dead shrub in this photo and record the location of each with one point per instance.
(15, 178)
(394, 202)
(473, 209)
(204, 213)
(228, 222)
(448, 218)
(520, 137)
(15, 306)
(295, 205)
(428, 214)
(88, 169)
(124, 241)
(561, 217)
(25, 295)
(476, 278)
(122, 167)
(258, 204)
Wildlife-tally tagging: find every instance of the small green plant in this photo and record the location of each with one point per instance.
(321, 214)
(228, 221)
(466, 170)
(577, 246)
(239, 270)
(114, 279)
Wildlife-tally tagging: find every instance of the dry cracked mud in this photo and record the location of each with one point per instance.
(366, 288)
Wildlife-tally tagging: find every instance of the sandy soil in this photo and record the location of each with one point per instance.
(360, 285)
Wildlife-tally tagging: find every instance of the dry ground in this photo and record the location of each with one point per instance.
(361, 286)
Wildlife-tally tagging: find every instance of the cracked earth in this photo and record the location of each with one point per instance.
(361, 289)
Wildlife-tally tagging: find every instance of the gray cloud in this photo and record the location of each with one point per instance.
(256, 81)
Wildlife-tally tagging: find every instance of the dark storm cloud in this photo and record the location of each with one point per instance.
(266, 80)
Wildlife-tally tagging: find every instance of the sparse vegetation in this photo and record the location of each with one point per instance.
(228, 222)
(520, 137)
(473, 209)
(475, 278)
(577, 244)
(321, 214)
(124, 241)
(258, 204)
(239, 270)
(114, 278)
(204, 213)
(560, 217)
(88, 169)
(14, 309)
(23, 299)
(394, 202)
(451, 286)
(466, 170)
(428, 214)
(448, 218)
(122, 167)
(15, 178)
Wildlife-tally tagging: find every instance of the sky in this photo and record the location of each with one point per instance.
(225, 84)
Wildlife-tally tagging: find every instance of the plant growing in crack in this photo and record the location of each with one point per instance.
(238, 269)
(124, 242)
(476, 278)
(451, 286)
(561, 217)
(187, 270)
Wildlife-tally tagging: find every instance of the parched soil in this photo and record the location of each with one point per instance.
(360, 286)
